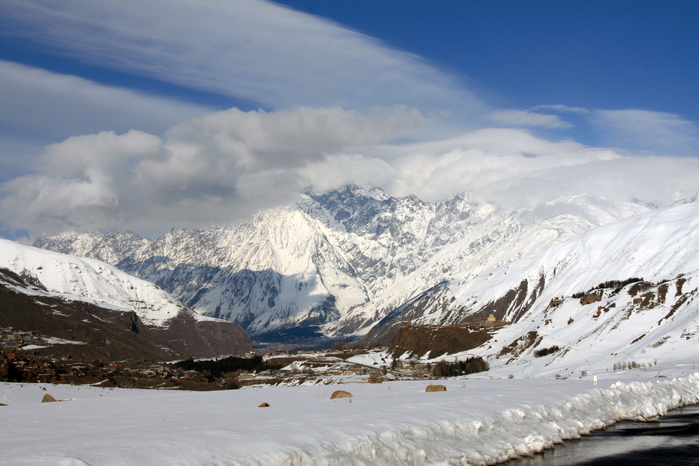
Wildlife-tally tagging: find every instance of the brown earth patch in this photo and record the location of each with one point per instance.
(419, 339)
(531, 339)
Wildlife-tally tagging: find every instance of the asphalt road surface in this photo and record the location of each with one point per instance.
(671, 441)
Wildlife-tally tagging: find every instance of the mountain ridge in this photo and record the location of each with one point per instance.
(337, 262)
(96, 283)
(624, 291)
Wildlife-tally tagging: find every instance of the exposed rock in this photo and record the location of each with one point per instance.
(436, 388)
(107, 334)
(340, 394)
(264, 405)
(48, 399)
(419, 339)
(590, 298)
(203, 339)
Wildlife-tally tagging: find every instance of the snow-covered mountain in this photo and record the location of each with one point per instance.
(96, 282)
(338, 262)
(90, 280)
(619, 293)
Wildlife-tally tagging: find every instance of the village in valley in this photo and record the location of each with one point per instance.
(25, 357)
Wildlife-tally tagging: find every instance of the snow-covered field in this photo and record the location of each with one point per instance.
(476, 421)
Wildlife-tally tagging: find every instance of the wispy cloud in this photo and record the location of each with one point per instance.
(562, 108)
(249, 49)
(525, 118)
(336, 100)
(648, 132)
(513, 168)
(45, 106)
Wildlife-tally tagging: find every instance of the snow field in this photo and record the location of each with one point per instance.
(476, 421)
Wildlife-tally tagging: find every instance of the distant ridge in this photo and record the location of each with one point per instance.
(337, 263)
(90, 284)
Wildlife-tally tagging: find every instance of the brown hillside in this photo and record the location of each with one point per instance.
(419, 339)
(108, 335)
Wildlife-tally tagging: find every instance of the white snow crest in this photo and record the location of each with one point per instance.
(514, 433)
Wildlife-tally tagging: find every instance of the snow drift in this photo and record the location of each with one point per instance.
(474, 422)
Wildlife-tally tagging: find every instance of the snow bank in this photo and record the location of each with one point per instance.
(476, 421)
(515, 433)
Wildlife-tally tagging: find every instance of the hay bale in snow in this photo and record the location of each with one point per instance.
(436, 388)
(340, 394)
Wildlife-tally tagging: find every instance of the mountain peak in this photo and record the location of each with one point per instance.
(368, 191)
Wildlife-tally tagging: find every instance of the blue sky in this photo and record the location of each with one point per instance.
(597, 54)
(183, 113)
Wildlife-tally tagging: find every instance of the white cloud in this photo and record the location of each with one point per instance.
(341, 169)
(648, 132)
(223, 167)
(213, 169)
(512, 168)
(562, 108)
(250, 49)
(45, 106)
(527, 119)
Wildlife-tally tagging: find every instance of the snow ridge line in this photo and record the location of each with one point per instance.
(517, 432)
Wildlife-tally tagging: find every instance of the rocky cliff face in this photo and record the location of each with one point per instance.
(337, 263)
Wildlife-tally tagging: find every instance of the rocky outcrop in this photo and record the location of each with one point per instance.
(418, 340)
(203, 339)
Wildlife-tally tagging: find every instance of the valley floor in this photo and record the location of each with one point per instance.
(476, 421)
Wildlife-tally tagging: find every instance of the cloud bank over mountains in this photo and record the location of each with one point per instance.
(223, 167)
(335, 106)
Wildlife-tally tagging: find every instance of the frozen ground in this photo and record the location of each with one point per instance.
(476, 421)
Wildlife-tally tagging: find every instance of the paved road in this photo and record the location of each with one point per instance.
(672, 441)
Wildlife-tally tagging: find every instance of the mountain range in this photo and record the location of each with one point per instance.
(624, 293)
(339, 264)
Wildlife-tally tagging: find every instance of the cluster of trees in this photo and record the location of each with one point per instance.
(226, 365)
(469, 366)
(546, 351)
(632, 365)
(616, 284)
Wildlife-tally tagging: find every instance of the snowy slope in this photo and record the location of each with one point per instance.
(493, 239)
(276, 270)
(643, 321)
(340, 261)
(92, 281)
